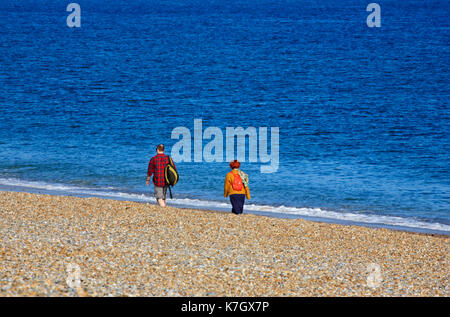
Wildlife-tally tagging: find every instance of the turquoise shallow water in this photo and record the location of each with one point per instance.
(362, 112)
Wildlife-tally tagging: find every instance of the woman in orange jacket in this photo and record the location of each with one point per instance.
(236, 186)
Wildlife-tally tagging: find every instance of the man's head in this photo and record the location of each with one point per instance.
(160, 149)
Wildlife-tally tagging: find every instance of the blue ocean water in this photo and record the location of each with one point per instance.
(362, 112)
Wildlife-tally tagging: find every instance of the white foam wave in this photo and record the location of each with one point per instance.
(316, 213)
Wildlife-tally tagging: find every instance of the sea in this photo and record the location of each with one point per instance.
(362, 113)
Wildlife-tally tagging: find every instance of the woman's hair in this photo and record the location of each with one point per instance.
(235, 164)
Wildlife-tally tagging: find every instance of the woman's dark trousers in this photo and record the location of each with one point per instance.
(237, 202)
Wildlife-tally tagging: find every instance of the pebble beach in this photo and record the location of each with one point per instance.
(70, 246)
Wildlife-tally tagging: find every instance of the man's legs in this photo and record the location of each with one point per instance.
(160, 195)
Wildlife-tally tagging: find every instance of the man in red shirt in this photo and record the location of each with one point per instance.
(156, 167)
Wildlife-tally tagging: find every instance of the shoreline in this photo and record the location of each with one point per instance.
(259, 214)
(247, 209)
(124, 248)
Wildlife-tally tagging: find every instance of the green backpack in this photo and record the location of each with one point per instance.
(170, 175)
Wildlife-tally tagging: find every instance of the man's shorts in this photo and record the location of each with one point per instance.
(160, 192)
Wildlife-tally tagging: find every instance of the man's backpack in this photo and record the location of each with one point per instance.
(170, 175)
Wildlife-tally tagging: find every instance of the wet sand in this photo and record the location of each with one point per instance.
(69, 246)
